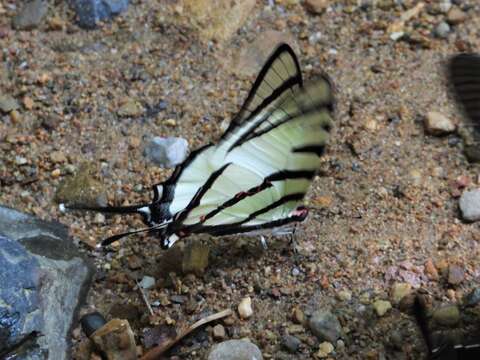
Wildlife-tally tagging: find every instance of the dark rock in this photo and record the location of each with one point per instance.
(291, 343)
(92, 322)
(325, 326)
(31, 15)
(89, 12)
(472, 298)
(42, 283)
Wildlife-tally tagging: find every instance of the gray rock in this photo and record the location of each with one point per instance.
(89, 12)
(235, 350)
(470, 205)
(448, 315)
(31, 15)
(166, 152)
(147, 282)
(8, 103)
(325, 326)
(42, 283)
(442, 30)
(291, 343)
(472, 298)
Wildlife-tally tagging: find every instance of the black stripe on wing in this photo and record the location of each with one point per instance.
(267, 183)
(464, 77)
(250, 106)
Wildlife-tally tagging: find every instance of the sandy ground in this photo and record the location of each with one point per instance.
(385, 201)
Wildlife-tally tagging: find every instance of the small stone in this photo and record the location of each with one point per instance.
(99, 219)
(245, 308)
(116, 340)
(31, 15)
(444, 6)
(456, 274)
(130, 108)
(399, 291)
(58, 157)
(166, 152)
(218, 332)
(438, 124)
(56, 173)
(316, 6)
(147, 282)
(324, 349)
(325, 326)
(447, 315)
(470, 205)
(442, 30)
(431, 270)
(298, 316)
(291, 343)
(170, 122)
(456, 16)
(89, 12)
(20, 160)
(472, 298)
(364, 298)
(8, 103)
(235, 349)
(28, 103)
(381, 307)
(195, 258)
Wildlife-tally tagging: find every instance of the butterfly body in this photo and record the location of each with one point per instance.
(257, 175)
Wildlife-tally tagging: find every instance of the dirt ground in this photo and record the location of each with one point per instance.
(384, 204)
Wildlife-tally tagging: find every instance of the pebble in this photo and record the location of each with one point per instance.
(456, 16)
(431, 270)
(291, 343)
(147, 282)
(89, 12)
(99, 218)
(218, 332)
(325, 326)
(195, 258)
(31, 15)
(8, 103)
(116, 340)
(166, 152)
(298, 316)
(344, 295)
(399, 291)
(316, 6)
(442, 30)
(235, 349)
(456, 274)
(58, 157)
(245, 308)
(470, 205)
(438, 124)
(130, 108)
(324, 349)
(20, 160)
(381, 307)
(472, 298)
(446, 315)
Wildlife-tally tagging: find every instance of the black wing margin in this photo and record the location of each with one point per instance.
(280, 72)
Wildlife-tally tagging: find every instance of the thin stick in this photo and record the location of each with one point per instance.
(144, 297)
(158, 351)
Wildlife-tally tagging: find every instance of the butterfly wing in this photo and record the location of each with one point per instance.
(264, 163)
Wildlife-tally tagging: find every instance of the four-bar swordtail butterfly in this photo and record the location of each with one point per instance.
(256, 176)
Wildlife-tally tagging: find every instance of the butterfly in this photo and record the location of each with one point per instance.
(255, 177)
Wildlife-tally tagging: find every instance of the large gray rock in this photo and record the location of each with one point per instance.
(43, 280)
(235, 350)
(89, 12)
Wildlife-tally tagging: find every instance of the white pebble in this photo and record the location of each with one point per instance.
(470, 205)
(245, 308)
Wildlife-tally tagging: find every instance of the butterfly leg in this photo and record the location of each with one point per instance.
(263, 242)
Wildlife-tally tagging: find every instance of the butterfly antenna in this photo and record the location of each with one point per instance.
(116, 237)
(131, 209)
